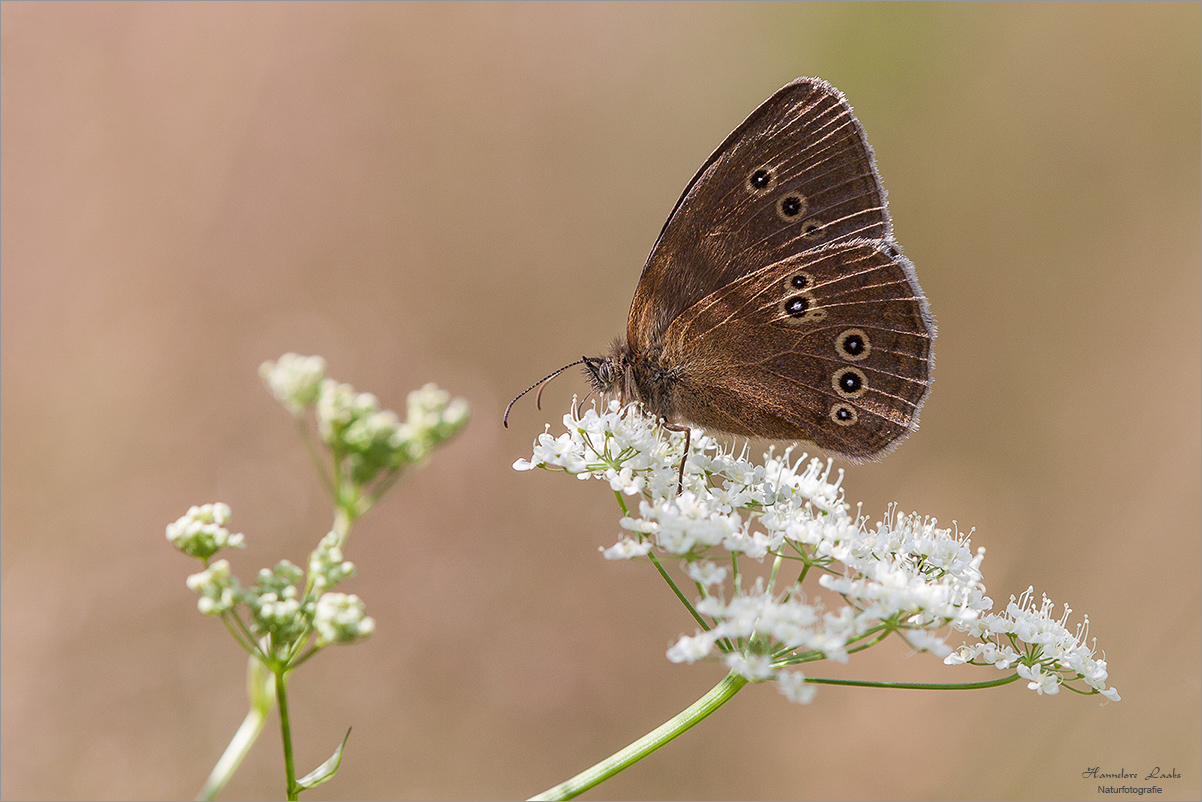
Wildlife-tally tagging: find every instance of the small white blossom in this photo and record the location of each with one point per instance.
(627, 549)
(555, 452)
(201, 532)
(338, 407)
(432, 418)
(680, 525)
(752, 666)
(706, 573)
(294, 380)
(925, 641)
(326, 566)
(691, 648)
(1041, 682)
(795, 688)
(217, 588)
(372, 442)
(340, 618)
(374, 428)
(275, 611)
(625, 481)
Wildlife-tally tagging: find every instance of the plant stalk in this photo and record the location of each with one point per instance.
(715, 698)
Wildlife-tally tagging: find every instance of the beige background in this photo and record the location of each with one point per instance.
(465, 194)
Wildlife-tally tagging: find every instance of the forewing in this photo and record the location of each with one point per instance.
(797, 174)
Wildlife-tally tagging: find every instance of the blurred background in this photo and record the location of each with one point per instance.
(465, 194)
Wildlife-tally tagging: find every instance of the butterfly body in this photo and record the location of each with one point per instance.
(776, 302)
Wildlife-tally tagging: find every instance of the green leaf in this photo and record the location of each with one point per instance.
(326, 770)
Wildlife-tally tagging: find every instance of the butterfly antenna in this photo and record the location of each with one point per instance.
(538, 397)
(539, 385)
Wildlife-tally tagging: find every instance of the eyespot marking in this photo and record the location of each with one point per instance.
(812, 229)
(799, 308)
(761, 180)
(844, 414)
(797, 305)
(850, 382)
(853, 345)
(791, 206)
(799, 281)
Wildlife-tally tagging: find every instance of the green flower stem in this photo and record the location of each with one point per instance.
(281, 695)
(343, 521)
(772, 576)
(315, 455)
(683, 600)
(715, 698)
(390, 479)
(262, 701)
(239, 632)
(231, 759)
(918, 686)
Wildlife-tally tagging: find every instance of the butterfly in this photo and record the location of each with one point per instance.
(776, 302)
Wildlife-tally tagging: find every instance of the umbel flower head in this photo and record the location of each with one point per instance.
(786, 519)
(367, 442)
(1040, 647)
(201, 532)
(285, 605)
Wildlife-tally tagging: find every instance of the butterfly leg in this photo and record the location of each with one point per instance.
(688, 436)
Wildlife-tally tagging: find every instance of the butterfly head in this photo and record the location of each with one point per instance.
(606, 373)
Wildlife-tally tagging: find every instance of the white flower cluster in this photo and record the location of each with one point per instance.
(295, 380)
(326, 566)
(431, 417)
(340, 618)
(1041, 648)
(364, 438)
(275, 606)
(218, 589)
(904, 576)
(201, 533)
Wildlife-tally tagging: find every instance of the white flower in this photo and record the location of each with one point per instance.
(752, 666)
(706, 573)
(556, 452)
(275, 611)
(339, 406)
(619, 440)
(432, 418)
(217, 588)
(201, 532)
(795, 688)
(925, 641)
(625, 480)
(326, 566)
(1044, 683)
(679, 525)
(1053, 655)
(626, 549)
(294, 380)
(340, 618)
(689, 649)
(381, 427)
(372, 442)
(904, 575)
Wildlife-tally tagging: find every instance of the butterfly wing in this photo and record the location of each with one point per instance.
(832, 345)
(795, 175)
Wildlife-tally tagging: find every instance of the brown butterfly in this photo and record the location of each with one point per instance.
(776, 302)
